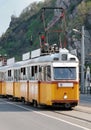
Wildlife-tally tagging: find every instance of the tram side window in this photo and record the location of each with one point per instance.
(34, 73)
(29, 72)
(49, 73)
(43, 73)
(1, 76)
(16, 75)
(10, 75)
(23, 73)
(40, 73)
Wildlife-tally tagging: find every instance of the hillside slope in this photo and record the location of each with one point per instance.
(17, 39)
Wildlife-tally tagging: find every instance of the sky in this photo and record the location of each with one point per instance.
(9, 8)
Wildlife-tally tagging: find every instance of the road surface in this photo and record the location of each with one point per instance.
(19, 116)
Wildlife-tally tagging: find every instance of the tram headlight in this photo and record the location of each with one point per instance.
(65, 96)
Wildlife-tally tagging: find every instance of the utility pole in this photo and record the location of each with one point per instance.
(82, 62)
(82, 58)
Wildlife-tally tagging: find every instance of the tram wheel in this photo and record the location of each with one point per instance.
(23, 100)
(67, 105)
(35, 103)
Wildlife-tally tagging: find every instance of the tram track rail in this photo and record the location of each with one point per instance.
(67, 113)
(73, 116)
(83, 109)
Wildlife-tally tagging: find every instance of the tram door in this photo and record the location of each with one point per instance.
(33, 95)
(46, 86)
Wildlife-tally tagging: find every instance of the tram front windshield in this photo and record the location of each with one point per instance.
(65, 73)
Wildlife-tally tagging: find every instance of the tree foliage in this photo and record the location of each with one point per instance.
(17, 38)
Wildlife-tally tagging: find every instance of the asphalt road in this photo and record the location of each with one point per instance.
(85, 100)
(18, 116)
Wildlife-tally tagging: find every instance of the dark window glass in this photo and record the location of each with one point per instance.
(68, 73)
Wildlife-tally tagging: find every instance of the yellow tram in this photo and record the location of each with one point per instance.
(48, 79)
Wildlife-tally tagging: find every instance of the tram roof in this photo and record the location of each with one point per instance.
(3, 68)
(45, 58)
(40, 59)
(53, 57)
